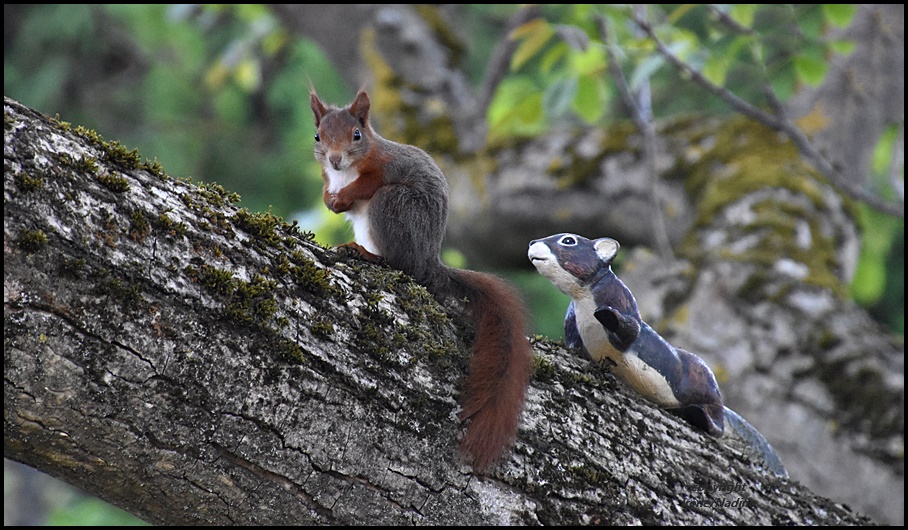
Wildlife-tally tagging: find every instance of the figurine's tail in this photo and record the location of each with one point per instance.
(747, 439)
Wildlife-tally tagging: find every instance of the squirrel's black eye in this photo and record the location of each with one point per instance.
(568, 241)
(317, 139)
(356, 135)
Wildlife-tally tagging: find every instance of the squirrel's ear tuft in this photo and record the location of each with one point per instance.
(606, 249)
(318, 108)
(360, 107)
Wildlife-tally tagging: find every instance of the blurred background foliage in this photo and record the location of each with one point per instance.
(562, 58)
(559, 72)
(219, 93)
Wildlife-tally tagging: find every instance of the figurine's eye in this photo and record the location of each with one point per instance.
(568, 241)
(357, 135)
(317, 139)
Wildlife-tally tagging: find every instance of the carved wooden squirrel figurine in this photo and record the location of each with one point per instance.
(603, 321)
(396, 197)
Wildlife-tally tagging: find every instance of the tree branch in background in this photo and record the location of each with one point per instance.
(500, 60)
(727, 21)
(778, 123)
(644, 124)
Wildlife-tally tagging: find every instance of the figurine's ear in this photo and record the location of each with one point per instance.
(606, 249)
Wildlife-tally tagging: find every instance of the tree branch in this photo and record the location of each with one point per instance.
(776, 122)
(645, 125)
(195, 363)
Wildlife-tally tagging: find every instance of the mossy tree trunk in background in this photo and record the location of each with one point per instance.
(766, 247)
(193, 362)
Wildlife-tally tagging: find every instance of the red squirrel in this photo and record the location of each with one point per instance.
(396, 198)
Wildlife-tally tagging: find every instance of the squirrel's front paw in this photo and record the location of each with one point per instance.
(335, 204)
(355, 249)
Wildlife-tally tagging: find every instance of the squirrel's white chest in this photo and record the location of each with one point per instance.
(358, 215)
(339, 179)
(362, 230)
(628, 365)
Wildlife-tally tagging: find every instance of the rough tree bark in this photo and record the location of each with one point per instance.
(192, 363)
(765, 246)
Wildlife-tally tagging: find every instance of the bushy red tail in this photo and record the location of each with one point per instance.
(500, 367)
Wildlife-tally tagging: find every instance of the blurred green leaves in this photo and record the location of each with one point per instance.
(217, 93)
(92, 512)
(566, 78)
(839, 15)
(742, 48)
(532, 36)
(879, 281)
